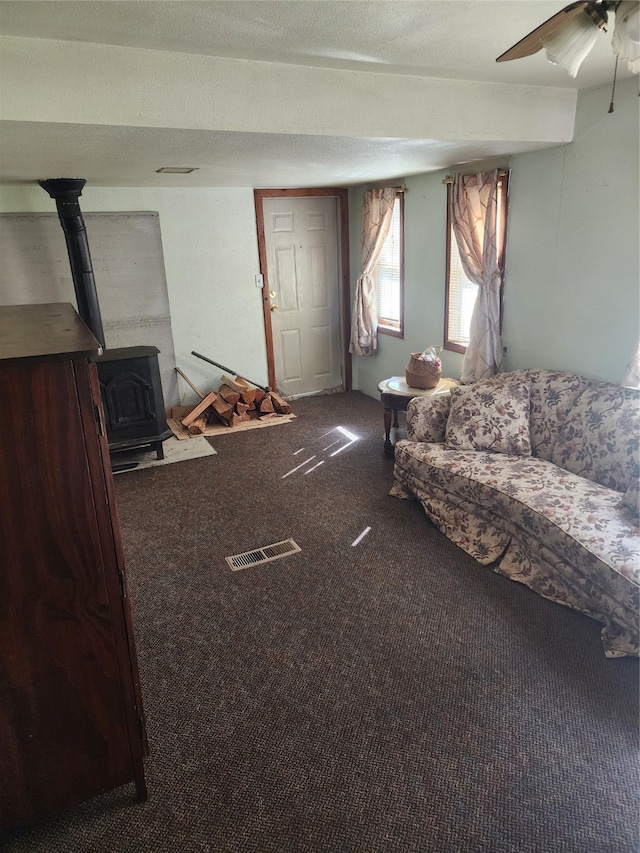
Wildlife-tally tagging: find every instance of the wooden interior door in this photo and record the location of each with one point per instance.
(303, 242)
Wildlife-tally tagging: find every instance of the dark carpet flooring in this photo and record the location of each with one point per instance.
(388, 696)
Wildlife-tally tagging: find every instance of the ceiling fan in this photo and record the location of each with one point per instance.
(571, 33)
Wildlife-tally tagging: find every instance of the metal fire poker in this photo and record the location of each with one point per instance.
(229, 370)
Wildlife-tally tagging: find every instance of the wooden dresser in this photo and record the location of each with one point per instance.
(71, 718)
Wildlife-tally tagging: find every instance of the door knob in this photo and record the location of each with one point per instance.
(272, 294)
(274, 307)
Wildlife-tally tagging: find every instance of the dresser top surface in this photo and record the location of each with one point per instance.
(50, 330)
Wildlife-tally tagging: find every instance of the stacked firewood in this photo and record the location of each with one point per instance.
(235, 401)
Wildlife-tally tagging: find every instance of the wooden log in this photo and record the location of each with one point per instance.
(222, 409)
(266, 406)
(280, 405)
(249, 395)
(197, 427)
(199, 409)
(242, 381)
(260, 395)
(237, 419)
(242, 408)
(238, 384)
(228, 394)
(248, 392)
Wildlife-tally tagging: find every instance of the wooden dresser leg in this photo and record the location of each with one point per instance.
(141, 789)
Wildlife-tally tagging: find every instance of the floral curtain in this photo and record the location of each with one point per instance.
(377, 211)
(480, 238)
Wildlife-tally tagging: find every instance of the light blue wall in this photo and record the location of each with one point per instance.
(424, 237)
(573, 298)
(572, 293)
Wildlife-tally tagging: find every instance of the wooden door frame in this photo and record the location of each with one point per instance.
(345, 285)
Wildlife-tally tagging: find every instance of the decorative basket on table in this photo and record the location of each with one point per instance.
(424, 368)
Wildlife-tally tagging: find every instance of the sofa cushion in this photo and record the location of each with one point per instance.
(552, 395)
(599, 439)
(427, 417)
(490, 416)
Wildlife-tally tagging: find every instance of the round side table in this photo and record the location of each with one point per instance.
(395, 395)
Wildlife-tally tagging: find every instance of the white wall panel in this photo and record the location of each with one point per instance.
(128, 265)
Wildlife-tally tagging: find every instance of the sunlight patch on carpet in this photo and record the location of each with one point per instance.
(342, 441)
(361, 537)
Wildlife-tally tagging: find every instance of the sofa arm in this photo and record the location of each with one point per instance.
(427, 418)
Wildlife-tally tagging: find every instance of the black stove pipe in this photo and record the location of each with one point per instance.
(65, 192)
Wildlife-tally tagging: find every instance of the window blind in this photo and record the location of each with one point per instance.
(387, 274)
(462, 298)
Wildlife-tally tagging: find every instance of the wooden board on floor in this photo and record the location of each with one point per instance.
(174, 416)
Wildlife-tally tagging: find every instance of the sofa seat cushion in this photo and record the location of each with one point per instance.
(580, 521)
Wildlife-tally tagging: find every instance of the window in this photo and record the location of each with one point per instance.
(461, 293)
(389, 275)
(461, 298)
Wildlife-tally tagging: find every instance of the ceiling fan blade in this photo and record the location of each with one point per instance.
(532, 43)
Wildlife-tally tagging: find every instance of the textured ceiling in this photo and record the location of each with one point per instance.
(448, 40)
(438, 38)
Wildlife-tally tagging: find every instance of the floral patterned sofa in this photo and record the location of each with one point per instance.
(535, 473)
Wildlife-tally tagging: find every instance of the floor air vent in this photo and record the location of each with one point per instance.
(263, 555)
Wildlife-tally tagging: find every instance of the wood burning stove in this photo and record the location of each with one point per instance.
(132, 398)
(129, 376)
